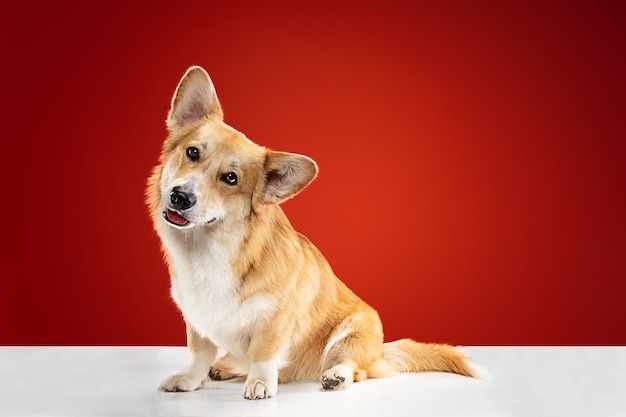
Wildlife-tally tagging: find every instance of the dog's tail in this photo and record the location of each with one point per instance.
(406, 355)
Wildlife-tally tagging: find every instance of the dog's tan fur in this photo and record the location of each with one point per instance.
(245, 280)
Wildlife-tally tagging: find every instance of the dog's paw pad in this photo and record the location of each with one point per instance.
(219, 372)
(215, 374)
(331, 382)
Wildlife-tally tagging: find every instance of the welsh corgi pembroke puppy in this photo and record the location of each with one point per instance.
(244, 279)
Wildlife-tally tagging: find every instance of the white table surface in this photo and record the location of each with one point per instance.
(122, 381)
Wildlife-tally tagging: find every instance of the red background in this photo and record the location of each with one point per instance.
(472, 157)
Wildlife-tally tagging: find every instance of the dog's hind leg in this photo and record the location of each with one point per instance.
(352, 348)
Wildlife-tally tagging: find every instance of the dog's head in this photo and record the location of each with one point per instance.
(209, 173)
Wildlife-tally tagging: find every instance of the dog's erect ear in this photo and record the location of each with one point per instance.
(194, 98)
(286, 174)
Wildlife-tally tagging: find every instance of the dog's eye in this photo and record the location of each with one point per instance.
(193, 153)
(229, 178)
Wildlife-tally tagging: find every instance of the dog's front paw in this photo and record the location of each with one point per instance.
(180, 382)
(258, 389)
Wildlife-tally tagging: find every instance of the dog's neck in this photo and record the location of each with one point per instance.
(239, 244)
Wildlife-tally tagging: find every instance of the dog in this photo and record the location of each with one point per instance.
(245, 280)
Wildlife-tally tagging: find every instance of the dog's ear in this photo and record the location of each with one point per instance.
(286, 174)
(194, 99)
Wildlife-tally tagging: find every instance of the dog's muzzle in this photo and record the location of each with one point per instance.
(180, 201)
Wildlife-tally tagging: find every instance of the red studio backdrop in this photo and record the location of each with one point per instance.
(472, 159)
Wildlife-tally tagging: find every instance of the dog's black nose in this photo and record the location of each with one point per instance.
(181, 200)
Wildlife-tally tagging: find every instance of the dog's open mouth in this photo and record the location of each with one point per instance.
(175, 218)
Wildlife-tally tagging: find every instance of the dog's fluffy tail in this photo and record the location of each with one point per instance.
(406, 355)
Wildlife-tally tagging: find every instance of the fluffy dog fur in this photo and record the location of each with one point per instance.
(244, 279)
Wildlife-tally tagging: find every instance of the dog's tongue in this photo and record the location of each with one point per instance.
(176, 218)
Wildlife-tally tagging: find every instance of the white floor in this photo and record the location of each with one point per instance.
(122, 381)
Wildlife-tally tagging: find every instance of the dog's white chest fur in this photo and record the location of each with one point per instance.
(206, 291)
